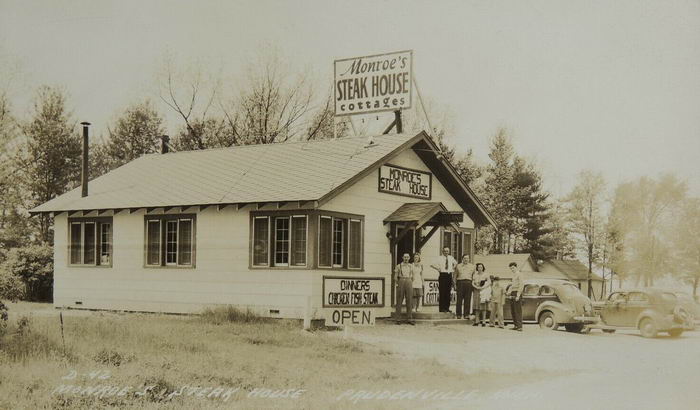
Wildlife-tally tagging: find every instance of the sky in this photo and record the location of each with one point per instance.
(608, 86)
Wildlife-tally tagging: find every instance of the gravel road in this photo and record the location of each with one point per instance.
(554, 369)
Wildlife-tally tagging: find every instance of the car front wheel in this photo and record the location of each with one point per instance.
(648, 328)
(675, 332)
(548, 321)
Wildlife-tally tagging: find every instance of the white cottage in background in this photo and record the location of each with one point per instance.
(274, 228)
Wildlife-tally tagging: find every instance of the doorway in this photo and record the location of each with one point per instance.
(405, 245)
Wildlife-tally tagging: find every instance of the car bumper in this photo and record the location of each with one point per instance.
(586, 319)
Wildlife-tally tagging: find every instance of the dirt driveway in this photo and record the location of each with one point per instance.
(545, 369)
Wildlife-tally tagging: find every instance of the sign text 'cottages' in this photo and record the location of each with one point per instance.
(353, 292)
(373, 83)
(405, 181)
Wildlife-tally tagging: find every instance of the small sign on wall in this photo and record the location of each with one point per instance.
(405, 181)
(431, 293)
(353, 292)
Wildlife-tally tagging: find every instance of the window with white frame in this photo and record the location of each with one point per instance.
(170, 240)
(284, 239)
(90, 241)
(288, 246)
(340, 242)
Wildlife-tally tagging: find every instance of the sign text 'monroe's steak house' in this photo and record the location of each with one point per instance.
(404, 181)
(373, 83)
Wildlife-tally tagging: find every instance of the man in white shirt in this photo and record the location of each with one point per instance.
(446, 269)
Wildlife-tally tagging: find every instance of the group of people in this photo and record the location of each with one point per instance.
(470, 281)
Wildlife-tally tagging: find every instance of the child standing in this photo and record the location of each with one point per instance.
(417, 280)
(485, 299)
(498, 299)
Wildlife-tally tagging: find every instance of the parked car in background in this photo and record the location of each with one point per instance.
(553, 303)
(650, 310)
(689, 304)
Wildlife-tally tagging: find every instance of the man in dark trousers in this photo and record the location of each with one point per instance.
(403, 277)
(463, 274)
(515, 290)
(446, 269)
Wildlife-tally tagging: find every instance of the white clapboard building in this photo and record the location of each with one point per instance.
(282, 229)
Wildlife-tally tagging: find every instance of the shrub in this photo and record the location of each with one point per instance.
(11, 286)
(33, 265)
(112, 357)
(224, 314)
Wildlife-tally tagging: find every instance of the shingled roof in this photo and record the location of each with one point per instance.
(284, 172)
(497, 264)
(572, 269)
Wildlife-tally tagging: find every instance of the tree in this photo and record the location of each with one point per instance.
(323, 122)
(644, 210)
(273, 101)
(584, 210)
(49, 161)
(273, 104)
(531, 211)
(557, 242)
(137, 132)
(11, 287)
(499, 192)
(13, 224)
(33, 265)
(468, 168)
(687, 243)
(191, 94)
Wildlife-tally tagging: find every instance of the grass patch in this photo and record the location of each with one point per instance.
(19, 343)
(166, 358)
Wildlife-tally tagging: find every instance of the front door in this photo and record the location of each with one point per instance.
(405, 245)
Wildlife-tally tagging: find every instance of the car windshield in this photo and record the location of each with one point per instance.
(568, 290)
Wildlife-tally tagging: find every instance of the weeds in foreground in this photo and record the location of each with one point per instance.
(231, 314)
(19, 343)
(112, 357)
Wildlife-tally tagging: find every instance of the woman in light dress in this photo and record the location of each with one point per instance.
(482, 295)
(417, 280)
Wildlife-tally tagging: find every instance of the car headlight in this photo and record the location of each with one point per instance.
(588, 308)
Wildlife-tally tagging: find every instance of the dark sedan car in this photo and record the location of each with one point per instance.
(650, 310)
(555, 302)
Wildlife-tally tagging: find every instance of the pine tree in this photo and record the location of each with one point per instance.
(50, 159)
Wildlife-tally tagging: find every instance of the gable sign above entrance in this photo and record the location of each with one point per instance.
(405, 181)
(373, 83)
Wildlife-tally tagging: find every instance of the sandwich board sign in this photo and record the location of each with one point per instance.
(375, 83)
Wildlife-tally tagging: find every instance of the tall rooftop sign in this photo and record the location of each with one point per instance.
(373, 83)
